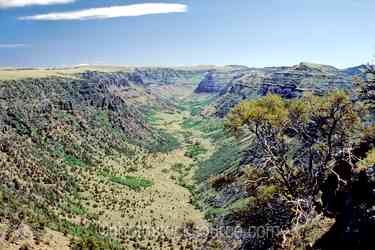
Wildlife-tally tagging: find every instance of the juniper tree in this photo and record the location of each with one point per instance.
(320, 155)
(299, 139)
(366, 88)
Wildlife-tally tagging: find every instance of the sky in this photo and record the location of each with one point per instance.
(255, 33)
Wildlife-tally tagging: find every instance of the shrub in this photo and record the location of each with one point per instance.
(94, 243)
(218, 182)
(178, 167)
(242, 204)
(214, 212)
(135, 183)
(266, 192)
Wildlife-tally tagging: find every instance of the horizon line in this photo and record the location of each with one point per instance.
(51, 67)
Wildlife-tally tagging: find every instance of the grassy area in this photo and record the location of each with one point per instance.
(195, 150)
(203, 124)
(212, 128)
(73, 208)
(135, 183)
(213, 212)
(152, 118)
(73, 161)
(102, 119)
(195, 104)
(165, 142)
(68, 159)
(227, 154)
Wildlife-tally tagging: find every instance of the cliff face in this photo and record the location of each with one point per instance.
(216, 80)
(167, 75)
(144, 76)
(289, 82)
(209, 84)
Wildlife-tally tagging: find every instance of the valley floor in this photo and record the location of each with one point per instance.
(156, 217)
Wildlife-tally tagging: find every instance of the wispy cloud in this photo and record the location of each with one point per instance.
(12, 45)
(112, 12)
(23, 3)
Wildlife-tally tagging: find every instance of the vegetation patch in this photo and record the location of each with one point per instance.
(219, 181)
(92, 242)
(195, 105)
(135, 183)
(241, 204)
(178, 167)
(195, 150)
(73, 161)
(214, 212)
(165, 142)
(223, 158)
(77, 209)
(151, 118)
(102, 119)
(205, 125)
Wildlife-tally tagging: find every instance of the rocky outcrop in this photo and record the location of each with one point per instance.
(143, 76)
(287, 91)
(356, 71)
(289, 82)
(217, 80)
(209, 84)
(166, 75)
(103, 80)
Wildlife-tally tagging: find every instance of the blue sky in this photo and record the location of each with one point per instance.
(249, 32)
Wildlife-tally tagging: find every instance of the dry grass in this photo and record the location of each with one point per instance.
(14, 74)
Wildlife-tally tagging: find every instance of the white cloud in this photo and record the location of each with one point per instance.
(112, 12)
(23, 3)
(12, 46)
